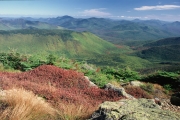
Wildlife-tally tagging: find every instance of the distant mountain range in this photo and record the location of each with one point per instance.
(115, 31)
(13, 24)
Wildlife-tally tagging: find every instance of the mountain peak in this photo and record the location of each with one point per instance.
(65, 16)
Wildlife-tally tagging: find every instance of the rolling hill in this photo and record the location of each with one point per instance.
(65, 43)
(61, 42)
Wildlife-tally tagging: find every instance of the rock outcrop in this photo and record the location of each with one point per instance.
(136, 83)
(121, 91)
(137, 109)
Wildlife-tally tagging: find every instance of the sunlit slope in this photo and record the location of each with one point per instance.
(61, 42)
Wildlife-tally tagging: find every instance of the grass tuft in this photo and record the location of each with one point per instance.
(79, 111)
(20, 104)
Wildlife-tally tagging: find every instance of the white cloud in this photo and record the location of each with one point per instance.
(95, 12)
(158, 7)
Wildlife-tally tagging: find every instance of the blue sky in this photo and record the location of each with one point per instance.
(167, 10)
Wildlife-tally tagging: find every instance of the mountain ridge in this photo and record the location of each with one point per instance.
(115, 31)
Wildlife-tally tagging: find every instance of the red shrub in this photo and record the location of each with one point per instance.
(58, 85)
(55, 76)
(137, 92)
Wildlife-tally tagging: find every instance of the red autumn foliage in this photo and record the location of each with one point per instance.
(56, 84)
(137, 92)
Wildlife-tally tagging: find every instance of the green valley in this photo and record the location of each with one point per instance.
(83, 46)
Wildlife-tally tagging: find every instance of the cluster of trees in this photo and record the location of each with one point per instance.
(16, 61)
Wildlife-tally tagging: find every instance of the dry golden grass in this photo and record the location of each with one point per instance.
(71, 111)
(160, 92)
(24, 105)
(115, 83)
(159, 87)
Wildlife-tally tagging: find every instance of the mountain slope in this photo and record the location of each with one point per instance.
(166, 41)
(128, 30)
(61, 42)
(163, 53)
(164, 50)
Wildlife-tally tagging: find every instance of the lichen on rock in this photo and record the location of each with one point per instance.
(137, 109)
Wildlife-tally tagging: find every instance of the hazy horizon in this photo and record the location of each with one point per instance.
(166, 10)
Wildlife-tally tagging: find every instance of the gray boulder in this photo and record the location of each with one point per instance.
(136, 83)
(138, 109)
(120, 90)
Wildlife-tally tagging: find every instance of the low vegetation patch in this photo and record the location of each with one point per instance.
(59, 86)
(170, 80)
(137, 92)
(148, 87)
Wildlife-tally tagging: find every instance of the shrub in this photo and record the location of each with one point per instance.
(137, 92)
(100, 79)
(167, 87)
(164, 78)
(51, 59)
(125, 74)
(148, 87)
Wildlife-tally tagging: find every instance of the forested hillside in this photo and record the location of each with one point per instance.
(61, 42)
